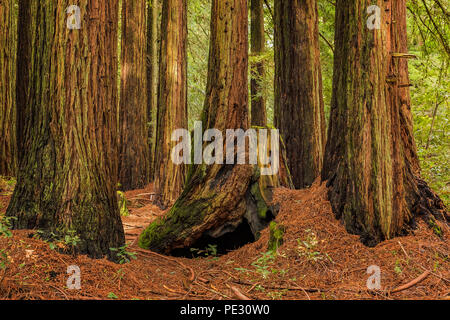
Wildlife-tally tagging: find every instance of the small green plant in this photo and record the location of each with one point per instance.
(111, 295)
(307, 248)
(71, 239)
(5, 226)
(123, 255)
(209, 251)
(263, 263)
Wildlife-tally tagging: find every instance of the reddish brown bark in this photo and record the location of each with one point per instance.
(172, 100)
(371, 162)
(8, 42)
(67, 135)
(134, 163)
(299, 107)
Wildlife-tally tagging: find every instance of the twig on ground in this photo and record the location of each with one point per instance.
(412, 283)
(239, 294)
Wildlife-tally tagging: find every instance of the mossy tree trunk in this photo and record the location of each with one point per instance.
(8, 43)
(153, 38)
(172, 100)
(371, 161)
(257, 39)
(299, 107)
(67, 135)
(218, 197)
(134, 162)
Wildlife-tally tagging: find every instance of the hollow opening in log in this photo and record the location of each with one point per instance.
(208, 245)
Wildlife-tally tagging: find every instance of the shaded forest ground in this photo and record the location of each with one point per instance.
(318, 260)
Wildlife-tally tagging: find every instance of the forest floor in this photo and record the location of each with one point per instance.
(318, 260)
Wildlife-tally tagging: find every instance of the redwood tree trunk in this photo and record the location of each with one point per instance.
(218, 197)
(172, 100)
(257, 39)
(152, 76)
(299, 107)
(8, 40)
(134, 164)
(67, 141)
(371, 162)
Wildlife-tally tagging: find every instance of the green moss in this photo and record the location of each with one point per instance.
(123, 207)
(276, 236)
(260, 202)
(179, 221)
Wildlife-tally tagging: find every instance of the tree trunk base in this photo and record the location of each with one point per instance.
(227, 205)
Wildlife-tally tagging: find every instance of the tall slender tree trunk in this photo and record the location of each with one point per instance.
(218, 197)
(172, 100)
(152, 76)
(67, 141)
(8, 43)
(134, 163)
(371, 162)
(299, 107)
(257, 39)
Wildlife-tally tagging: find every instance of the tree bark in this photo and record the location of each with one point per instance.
(299, 106)
(134, 163)
(153, 40)
(67, 138)
(172, 100)
(8, 43)
(257, 38)
(371, 162)
(217, 198)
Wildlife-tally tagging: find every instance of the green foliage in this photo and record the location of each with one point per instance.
(326, 29)
(123, 255)
(5, 226)
(67, 241)
(430, 91)
(263, 263)
(111, 295)
(198, 52)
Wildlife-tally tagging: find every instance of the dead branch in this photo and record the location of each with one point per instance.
(239, 294)
(412, 283)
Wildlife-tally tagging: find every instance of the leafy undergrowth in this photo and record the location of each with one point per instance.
(318, 260)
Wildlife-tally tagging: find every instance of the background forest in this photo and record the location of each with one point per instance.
(428, 34)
